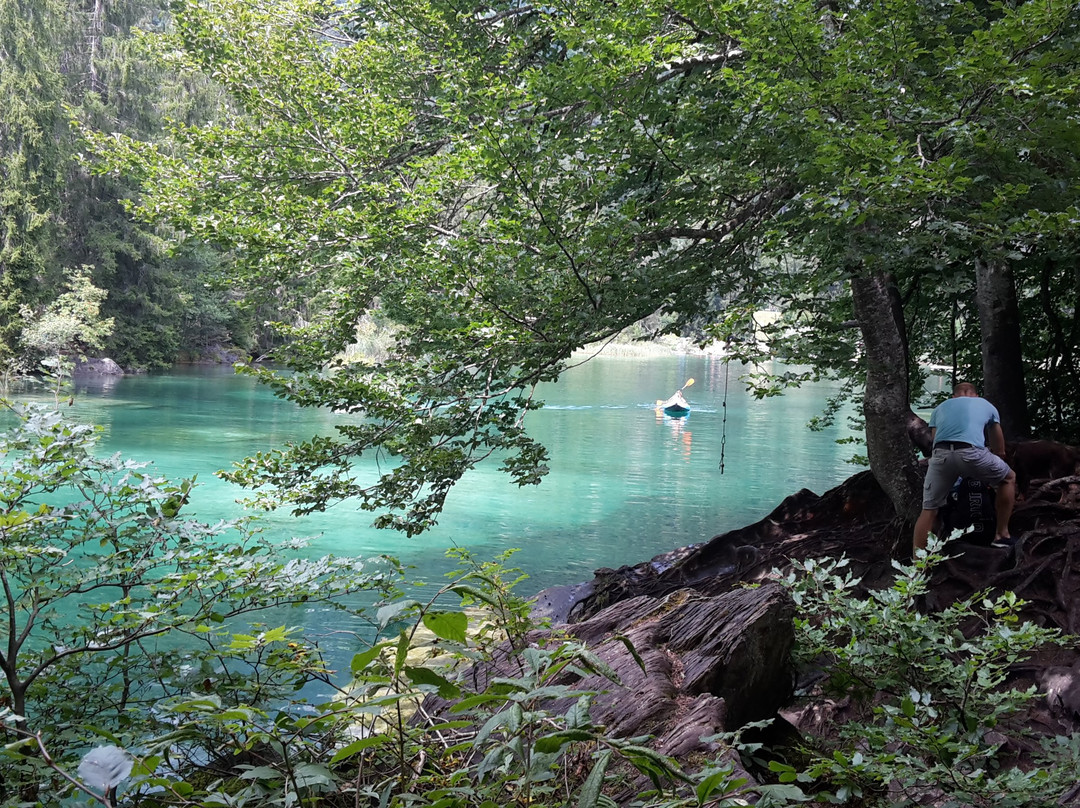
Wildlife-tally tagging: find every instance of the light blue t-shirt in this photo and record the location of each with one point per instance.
(964, 419)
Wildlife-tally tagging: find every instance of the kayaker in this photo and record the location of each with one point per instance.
(676, 400)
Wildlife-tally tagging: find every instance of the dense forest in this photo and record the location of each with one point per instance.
(63, 66)
(491, 188)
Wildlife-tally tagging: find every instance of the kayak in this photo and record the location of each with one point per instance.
(676, 406)
(676, 410)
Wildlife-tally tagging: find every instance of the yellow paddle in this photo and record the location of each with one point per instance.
(690, 381)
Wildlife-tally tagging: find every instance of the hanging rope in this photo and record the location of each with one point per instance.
(723, 430)
(952, 333)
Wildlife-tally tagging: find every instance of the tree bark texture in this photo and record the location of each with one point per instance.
(885, 405)
(1002, 352)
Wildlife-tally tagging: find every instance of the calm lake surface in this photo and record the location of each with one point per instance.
(626, 483)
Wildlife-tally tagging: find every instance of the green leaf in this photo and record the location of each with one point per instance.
(907, 706)
(493, 723)
(426, 676)
(578, 716)
(782, 794)
(447, 625)
(474, 593)
(557, 740)
(358, 746)
(393, 611)
(633, 651)
(361, 660)
(480, 699)
(714, 783)
(402, 653)
(589, 795)
(658, 767)
(279, 634)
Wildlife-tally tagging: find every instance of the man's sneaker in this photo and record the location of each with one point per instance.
(1007, 543)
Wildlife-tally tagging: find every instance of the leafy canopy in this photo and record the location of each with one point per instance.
(511, 183)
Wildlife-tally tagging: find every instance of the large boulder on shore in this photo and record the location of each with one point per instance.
(729, 651)
(699, 665)
(98, 367)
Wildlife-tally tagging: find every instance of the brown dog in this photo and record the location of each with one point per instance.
(1041, 460)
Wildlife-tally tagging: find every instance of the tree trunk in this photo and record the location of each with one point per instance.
(1002, 352)
(885, 404)
(94, 36)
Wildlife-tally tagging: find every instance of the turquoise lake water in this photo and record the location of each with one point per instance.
(626, 483)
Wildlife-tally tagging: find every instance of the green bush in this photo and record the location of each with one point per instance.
(112, 604)
(522, 737)
(933, 691)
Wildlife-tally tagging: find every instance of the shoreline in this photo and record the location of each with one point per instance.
(665, 346)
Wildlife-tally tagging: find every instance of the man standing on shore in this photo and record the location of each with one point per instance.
(959, 428)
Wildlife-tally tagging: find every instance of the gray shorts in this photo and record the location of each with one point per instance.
(948, 464)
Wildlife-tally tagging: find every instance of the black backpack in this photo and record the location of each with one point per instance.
(970, 509)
